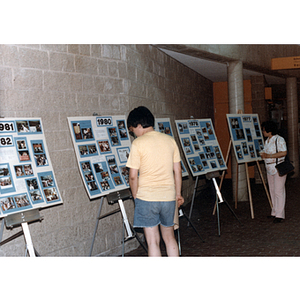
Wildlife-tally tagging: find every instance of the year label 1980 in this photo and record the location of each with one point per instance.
(104, 121)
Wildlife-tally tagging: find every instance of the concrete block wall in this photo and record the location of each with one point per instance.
(54, 82)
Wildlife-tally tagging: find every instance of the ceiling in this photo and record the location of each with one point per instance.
(216, 71)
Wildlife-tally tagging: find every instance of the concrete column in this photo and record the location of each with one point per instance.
(236, 102)
(259, 104)
(260, 107)
(292, 122)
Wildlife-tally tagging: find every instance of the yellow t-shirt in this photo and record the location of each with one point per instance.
(154, 154)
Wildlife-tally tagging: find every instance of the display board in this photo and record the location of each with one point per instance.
(246, 136)
(27, 180)
(200, 146)
(102, 146)
(164, 125)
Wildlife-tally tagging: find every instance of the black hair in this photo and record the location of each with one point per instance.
(140, 115)
(270, 126)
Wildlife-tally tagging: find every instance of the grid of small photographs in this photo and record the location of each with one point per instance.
(28, 126)
(34, 190)
(40, 156)
(23, 170)
(246, 136)
(49, 187)
(22, 148)
(87, 150)
(200, 146)
(7, 185)
(15, 203)
(23, 160)
(102, 148)
(163, 125)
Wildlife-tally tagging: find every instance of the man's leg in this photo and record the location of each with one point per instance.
(153, 239)
(170, 241)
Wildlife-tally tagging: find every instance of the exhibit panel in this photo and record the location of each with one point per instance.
(27, 179)
(163, 125)
(200, 146)
(102, 146)
(246, 136)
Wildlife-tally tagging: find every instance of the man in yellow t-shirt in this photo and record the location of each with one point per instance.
(155, 180)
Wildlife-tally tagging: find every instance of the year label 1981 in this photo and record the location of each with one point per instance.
(7, 126)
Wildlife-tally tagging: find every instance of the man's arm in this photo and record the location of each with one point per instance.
(178, 182)
(133, 181)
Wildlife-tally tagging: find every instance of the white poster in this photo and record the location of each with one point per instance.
(27, 180)
(102, 146)
(164, 125)
(200, 146)
(246, 136)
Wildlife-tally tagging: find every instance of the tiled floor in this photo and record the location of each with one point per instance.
(245, 237)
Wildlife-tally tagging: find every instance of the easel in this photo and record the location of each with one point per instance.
(22, 219)
(181, 213)
(219, 199)
(213, 176)
(248, 182)
(113, 198)
(193, 198)
(249, 188)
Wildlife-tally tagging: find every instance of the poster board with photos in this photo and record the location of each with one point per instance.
(164, 125)
(200, 146)
(27, 180)
(102, 146)
(246, 136)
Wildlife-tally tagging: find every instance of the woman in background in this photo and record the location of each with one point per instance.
(276, 182)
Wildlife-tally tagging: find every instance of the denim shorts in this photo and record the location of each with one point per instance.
(152, 213)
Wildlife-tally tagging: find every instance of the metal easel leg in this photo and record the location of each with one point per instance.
(1, 230)
(218, 216)
(125, 219)
(28, 240)
(232, 210)
(182, 213)
(193, 198)
(137, 237)
(123, 238)
(219, 196)
(179, 244)
(22, 219)
(96, 227)
(222, 199)
(130, 230)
